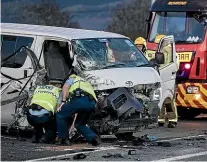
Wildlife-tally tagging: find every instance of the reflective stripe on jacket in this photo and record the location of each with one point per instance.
(46, 97)
(83, 85)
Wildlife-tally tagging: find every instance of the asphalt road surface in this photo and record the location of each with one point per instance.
(186, 142)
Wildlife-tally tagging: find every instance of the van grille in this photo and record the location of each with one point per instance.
(119, 101)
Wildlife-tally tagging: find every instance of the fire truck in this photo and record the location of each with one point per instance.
(186, 20)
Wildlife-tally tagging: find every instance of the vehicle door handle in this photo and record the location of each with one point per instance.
(173, 72)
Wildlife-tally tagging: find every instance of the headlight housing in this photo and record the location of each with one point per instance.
(156, 95)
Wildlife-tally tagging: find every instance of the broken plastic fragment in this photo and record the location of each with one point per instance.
(132, 152)
(79, 156)
(164, 144)
(109, 155)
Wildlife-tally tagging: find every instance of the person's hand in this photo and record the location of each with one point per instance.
(59, 108)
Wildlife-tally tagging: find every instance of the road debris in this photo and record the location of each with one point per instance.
(190, 144)
(152, 126)
(66, 158)
(164, 144)
(149, 141)
(200, 138)
(109, 155)
(14, 150)
(79, 156)
(122, 143)
(132, 152)
(196, 139)
(21, 138)
(143, 140)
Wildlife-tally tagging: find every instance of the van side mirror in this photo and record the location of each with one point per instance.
(160, 58)
(154, 62)
(155, 65)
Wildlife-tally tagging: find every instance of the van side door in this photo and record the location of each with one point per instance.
(169, 68)
(15, 71)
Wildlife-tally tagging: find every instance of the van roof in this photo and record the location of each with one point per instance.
(66, 33)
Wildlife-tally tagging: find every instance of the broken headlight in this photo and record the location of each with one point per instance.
(156, 95)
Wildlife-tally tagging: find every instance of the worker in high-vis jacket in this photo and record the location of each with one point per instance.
(169, 107)
(78, 97)
(141, 44)
(41, 112)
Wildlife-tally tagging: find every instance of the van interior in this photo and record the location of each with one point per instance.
(57, 59)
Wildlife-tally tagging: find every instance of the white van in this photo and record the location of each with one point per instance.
(109, 60)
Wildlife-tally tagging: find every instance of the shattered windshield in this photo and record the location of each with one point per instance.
(185, 27)
(96, 54)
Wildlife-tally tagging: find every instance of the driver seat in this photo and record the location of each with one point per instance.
(55, 63)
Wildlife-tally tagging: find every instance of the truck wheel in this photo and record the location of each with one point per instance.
(185, 113)
(125, 136)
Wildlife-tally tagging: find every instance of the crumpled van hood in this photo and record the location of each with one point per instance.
(122, 77)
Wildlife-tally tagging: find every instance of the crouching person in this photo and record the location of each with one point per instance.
(41, 113)
(78, 97)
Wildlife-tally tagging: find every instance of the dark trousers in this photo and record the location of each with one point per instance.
(84, 107)
(43, 121)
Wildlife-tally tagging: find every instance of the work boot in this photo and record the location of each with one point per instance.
(46, 140)
(64, 142)
(96, 141)
(43, 139)
(172, 125)
(35, 139)
(161, 124)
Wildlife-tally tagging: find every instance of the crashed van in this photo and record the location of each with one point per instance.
(129, 88)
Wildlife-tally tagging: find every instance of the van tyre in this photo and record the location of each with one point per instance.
(185, 113)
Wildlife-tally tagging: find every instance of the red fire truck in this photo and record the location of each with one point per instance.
(186, 20)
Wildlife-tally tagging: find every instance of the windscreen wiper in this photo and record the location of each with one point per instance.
(114, 65)
(144, 65)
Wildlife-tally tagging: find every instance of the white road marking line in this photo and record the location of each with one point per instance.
(103, 147)
(68, 149)
(180, 138)
(183, 157)
(8, 137)
(66, 155)
(173, 139)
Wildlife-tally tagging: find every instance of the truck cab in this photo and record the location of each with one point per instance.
(186, 21)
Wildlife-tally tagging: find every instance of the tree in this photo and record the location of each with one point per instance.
(129, 19)
(47, 12)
